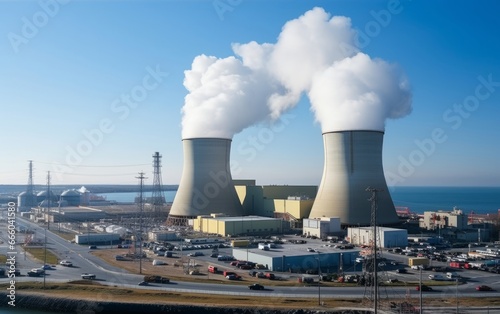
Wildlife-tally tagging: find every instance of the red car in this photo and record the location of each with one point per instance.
(484, 288)
(424, 288)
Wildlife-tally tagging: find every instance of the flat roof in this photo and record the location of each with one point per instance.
(378, 228)
(242, 218)
(297, 250)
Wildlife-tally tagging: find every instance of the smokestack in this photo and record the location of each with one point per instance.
(206, 184)
(353, 162)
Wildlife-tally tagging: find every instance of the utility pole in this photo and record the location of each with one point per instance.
(46, 219)
(420, 286)
(373, 200)
(141, 178)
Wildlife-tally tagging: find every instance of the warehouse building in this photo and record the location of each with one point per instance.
(387, 237)
(236, 226)
(322, 227)
(297, 258)
(97, 238)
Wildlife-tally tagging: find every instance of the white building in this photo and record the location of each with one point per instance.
(321, 227)
(386, 237)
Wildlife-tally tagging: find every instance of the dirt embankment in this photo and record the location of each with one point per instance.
(66, 305)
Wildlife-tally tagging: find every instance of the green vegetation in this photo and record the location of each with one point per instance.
(39, 254)
(3, 259)
(65, 235)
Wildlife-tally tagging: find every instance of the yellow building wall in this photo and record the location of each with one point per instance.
(284, 191)
(225, 228)
(298, 208)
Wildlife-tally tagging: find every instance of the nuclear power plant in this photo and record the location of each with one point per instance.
(206, 185)
(353, 162)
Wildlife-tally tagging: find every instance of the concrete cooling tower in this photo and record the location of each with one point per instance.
(353, 162)
(206, 184)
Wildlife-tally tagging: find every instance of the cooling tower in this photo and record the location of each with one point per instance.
(206, 185)
(353, 162)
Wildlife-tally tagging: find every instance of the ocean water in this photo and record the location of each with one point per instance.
(128, 197)
(480, 200)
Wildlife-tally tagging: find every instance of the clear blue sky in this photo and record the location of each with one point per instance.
(65, 66)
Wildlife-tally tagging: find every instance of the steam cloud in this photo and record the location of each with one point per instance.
(314, 54)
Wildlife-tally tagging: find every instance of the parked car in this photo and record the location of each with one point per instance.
(256, 286)
(143, 283)
(484, 288)
(92, 247)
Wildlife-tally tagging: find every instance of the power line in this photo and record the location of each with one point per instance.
(96, 166)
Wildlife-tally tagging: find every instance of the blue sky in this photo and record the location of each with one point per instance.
(66, 64)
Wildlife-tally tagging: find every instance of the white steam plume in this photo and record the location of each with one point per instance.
(359, 93)
(314, 54)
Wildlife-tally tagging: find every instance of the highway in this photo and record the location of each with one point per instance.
(85, 262)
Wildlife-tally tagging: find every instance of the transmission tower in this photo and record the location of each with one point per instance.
(371, 287)
(30, 193)
(139, 236)
(157, 197)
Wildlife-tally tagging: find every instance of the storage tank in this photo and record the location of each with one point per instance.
(72, 197)
(353, 162)
(206, 185)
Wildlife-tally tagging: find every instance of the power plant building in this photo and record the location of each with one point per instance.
(353, 163)
(289, 202)
(297, 259)
(434, 220)
(238, 225)
(206, 185)
(321, 227)
(387, 237)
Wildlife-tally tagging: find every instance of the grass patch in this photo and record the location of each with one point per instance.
(94, 291)
(65, 235)
(3, 259)
(39, 254)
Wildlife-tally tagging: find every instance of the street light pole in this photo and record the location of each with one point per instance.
(319, 280)
(420, 286)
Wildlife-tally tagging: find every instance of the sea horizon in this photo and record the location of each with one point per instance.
(476, 199)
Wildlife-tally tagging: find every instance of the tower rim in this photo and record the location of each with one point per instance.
(360, 130)
(207, 138)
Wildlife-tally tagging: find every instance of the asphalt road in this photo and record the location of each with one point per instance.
(84, 262)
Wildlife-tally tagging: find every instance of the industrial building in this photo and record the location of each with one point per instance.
(296, 258)
(69, 214)
(386, 237)
(206, 185)
(353, 163)
(291, 203)
(97, 238)
(322, 227)
(162, 236)
(238, 225)
(434, 220)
